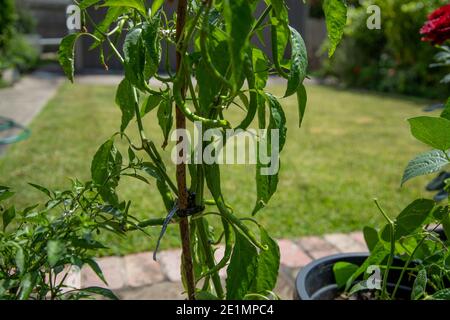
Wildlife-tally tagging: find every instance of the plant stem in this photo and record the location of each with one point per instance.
(181, 171)
(384, 294)
(209, 255)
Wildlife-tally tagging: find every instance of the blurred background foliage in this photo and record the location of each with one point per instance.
(15, 50)
(392, 59)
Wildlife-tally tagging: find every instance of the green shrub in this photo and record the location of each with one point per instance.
(392, 59)
(15, 51)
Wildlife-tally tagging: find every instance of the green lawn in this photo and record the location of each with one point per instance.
(352, 147)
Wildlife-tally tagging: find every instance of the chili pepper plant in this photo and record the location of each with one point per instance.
(220, 65)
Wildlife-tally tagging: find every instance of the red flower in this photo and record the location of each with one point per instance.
(437, 28)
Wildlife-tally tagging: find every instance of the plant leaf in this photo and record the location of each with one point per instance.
(267, 183)
(7, 216)
(432, 131)
(126, 102)
(336, 19)
(152, 41)
(443, 294)
(66, 54)
(446, 113)
(242, 268)
(343, 271)
(20, 259)
(302, 99)
(27, 285)
(111, 16)
(96, 268)
(134, 58)
(105, 171)
(156, 5)
(238, 21)
(5, 193)
(299, 63)
(135, 4)
(420, 284)
(426, 163)
(41, 188)
(268, 264)
(55, 251)
(101, 291)
(87, 3)
(412, 217)
(371, 237)
(165, 118)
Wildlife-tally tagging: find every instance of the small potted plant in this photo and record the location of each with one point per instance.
(408, 259)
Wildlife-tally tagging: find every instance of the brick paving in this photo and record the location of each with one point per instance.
(138, 277)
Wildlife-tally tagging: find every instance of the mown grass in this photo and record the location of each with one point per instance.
(353, 146)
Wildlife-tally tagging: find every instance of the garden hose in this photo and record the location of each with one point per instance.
(8, 124)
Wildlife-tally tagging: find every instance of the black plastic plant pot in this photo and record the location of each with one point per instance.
(316, 280)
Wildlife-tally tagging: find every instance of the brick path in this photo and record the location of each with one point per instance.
(137, 276)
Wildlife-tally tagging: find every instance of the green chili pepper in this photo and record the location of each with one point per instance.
(253, 104)
(228, 250)
(177, 93)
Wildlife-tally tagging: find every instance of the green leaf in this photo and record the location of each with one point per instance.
(151, 169)
(27, 285)
(87, 3)
(343, 271)
(152, 41)
(66, 54)
(165, 118)
(20, 259)
(412, 217)
(55, 251)
(126, 101)
(242, 268)
(134, 56)
(426, 163)
(302, 99)
(150, 103)
(135, 4)
(238, 21)
(446, 113)
(336, 19)
(101, 291)
(105, 171)
(266, 185)
(7, 216)
(432, 131)
(377, 255)
(443, 294)
(96, 268)
(5, 193)
(371, 237)
(260, 67)
(208, 85)
(100, 163)
(156, 5)
(103, 27)
(277, 119)
(268, 264)
(42, 189)
(420, 284)
(299, 63)
(205, 295)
